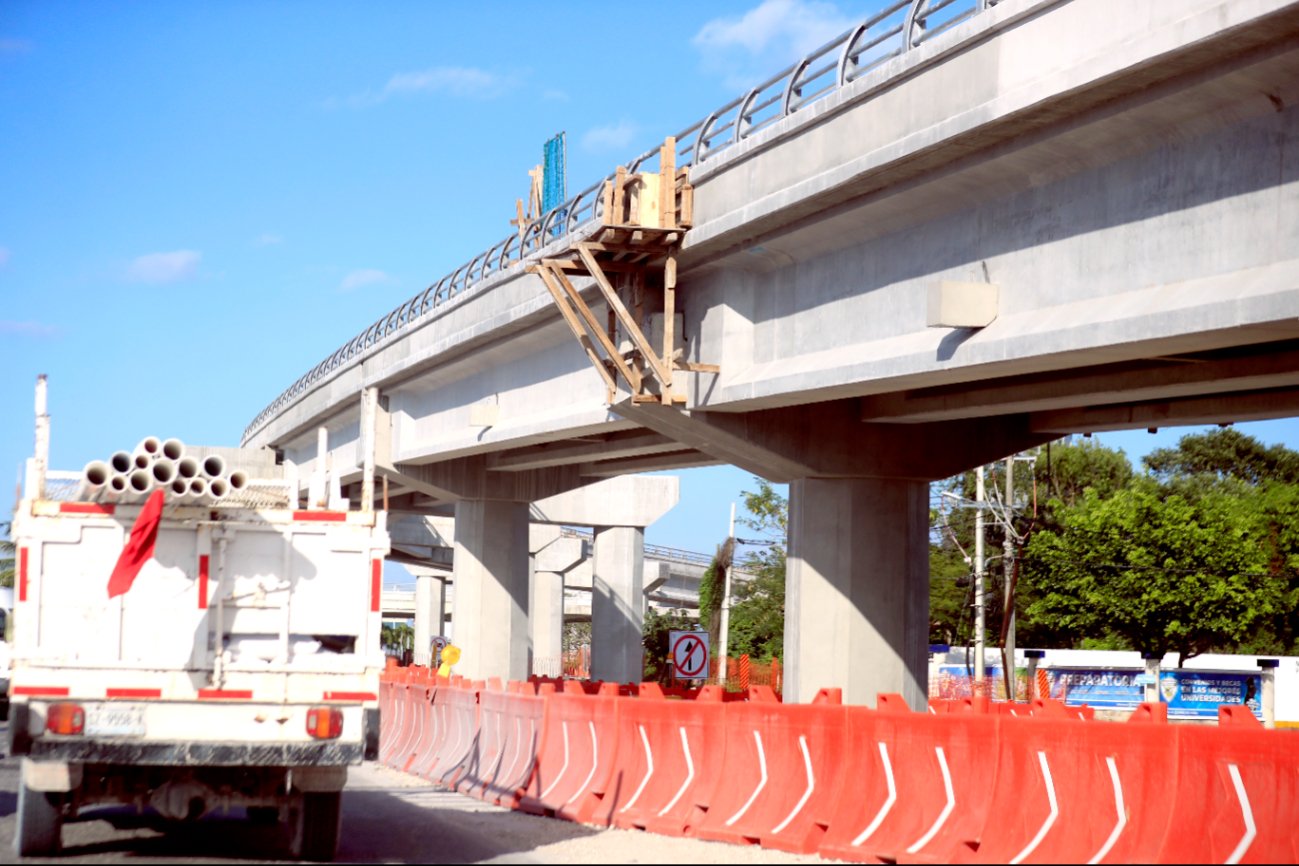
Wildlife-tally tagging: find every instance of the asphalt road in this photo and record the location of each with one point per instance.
(388, 817)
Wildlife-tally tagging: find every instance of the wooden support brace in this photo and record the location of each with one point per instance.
(661, 372)
(669, 319)
(565, 310)
(605, 340)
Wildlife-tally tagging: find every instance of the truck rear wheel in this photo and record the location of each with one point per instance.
(40, 823)
(317, 824)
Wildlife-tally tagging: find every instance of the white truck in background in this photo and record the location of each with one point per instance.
(239, 670)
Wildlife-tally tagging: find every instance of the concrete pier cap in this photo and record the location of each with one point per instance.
(618, 509)
(627, 500)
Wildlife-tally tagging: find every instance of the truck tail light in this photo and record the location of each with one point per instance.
(64, 718)
(325, 723)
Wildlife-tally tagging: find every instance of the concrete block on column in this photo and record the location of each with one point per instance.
(628, 500)
(618, 604)
(581, 576)
(560, 555)
(857, 589)
(542, 534)
(492, 588)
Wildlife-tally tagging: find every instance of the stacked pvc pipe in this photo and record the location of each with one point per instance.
(130, 476)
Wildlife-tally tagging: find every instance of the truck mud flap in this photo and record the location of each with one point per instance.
(371, 728)
(20, 738)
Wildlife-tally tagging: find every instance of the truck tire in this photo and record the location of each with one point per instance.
(40, 824)
(317, 824)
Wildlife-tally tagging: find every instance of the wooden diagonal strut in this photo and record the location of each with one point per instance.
(645, 217)
(565, 310)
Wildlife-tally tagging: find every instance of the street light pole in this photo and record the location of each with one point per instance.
(1008, 550)
(980, 624)
(724, 632)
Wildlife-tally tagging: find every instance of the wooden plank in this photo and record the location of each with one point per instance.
(669, 316)
(687, 218)
(578, 331)
(580, 268)
(693, 367)
(619, 181)
(647, 203)
(594, 324)
(667, 184)
(606, 195)
(624, 316)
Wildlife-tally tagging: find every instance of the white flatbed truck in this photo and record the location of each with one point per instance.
(239, 670)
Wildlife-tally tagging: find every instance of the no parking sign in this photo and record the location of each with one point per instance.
(689, 653)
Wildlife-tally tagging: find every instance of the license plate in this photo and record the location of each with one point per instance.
(115, 721)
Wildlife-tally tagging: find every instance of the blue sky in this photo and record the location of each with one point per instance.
(199, 201)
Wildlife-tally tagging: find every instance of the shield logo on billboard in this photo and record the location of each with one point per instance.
(1168, 687)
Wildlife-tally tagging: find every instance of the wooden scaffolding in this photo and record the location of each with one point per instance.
(632, 259)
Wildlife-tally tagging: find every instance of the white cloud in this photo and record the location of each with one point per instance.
(164, 267)
(466, 82)
(616, 136)
(27, 329)
(362, 277)
(267, 239)
(4, 256)
(773, 34)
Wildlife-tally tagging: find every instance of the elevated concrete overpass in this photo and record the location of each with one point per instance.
(997, 224)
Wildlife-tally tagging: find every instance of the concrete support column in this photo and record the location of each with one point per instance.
(491, 577)
(430, 603)
(547, 623)
(857, 589)
(618, 604)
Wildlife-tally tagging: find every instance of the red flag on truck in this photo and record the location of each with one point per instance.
(139, 547)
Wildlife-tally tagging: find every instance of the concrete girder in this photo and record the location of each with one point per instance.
(589, 450)
(1251, 368)
(827, 440)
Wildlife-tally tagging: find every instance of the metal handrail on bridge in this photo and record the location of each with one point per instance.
(901, 26)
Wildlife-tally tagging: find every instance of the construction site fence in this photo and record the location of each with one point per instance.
(959, 780)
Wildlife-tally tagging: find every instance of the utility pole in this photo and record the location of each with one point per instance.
(1008, 552)
(980, 623)
(724, 631)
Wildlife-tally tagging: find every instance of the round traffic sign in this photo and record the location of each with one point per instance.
(690, 656)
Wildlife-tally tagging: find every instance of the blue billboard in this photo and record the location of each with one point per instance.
(1188, 694)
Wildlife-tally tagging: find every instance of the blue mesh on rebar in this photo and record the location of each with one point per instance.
(553, 186)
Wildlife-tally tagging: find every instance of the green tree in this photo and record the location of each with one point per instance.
(1224, 455)
(1155, 572)
(7, 553)
(757, 619)
(712, 587)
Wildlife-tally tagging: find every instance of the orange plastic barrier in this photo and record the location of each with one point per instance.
(519, 713)
(1082, 793)
(578, 748)
(458, 729)
(1236, 794)
(419, 708)
(669, 752)
(403, 729)
(501, 735)
(920, 783)
(781, 773)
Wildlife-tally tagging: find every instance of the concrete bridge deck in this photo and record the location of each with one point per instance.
(1051, 216)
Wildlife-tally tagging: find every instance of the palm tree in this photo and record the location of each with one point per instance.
(6, 558)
